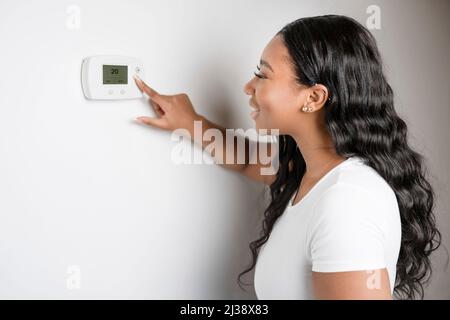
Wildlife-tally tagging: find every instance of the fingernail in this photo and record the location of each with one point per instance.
(137, 78)
(140, 120)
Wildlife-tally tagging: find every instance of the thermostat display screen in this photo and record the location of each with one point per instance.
(115, 74)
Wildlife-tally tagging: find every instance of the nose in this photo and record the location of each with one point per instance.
(249, 88)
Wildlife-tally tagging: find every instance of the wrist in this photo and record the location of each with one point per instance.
(191, 125)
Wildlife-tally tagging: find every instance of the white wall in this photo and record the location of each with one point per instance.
(82, 184)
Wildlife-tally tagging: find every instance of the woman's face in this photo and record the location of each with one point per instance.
(275, 94)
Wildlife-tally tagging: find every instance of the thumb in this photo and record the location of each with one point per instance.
(154, 122)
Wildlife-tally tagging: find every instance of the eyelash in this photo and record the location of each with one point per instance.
(259, 75)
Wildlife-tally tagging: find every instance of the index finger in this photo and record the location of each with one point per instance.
(144, 87)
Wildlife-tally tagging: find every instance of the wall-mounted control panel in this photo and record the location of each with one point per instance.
(110, 77)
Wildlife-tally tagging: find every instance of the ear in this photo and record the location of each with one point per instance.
(317, 97)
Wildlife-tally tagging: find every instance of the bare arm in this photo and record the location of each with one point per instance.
(177, 111)
(354, 285)
(250, 163)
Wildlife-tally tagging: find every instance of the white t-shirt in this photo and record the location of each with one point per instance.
(348, 221)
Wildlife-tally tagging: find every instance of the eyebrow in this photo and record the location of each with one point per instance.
(265, 63)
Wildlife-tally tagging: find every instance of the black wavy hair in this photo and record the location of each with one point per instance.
(341, 54)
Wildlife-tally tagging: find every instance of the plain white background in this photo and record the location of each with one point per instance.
(83, 187)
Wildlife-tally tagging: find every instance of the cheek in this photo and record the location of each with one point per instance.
(277, 101)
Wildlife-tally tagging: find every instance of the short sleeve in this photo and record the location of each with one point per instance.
(346, 232)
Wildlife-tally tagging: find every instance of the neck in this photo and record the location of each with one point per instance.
(318, 151)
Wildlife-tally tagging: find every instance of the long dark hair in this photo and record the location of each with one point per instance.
(341, 54)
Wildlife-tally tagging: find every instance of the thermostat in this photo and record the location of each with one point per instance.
(110, 77)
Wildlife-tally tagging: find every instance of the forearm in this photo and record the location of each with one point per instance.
(232, 153)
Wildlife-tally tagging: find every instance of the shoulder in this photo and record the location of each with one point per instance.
(358, 182)
(355, 221)
(356, 195)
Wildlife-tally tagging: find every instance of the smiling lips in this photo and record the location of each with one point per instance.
(255, 111)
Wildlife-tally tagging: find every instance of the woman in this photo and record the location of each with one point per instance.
(350, 215)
